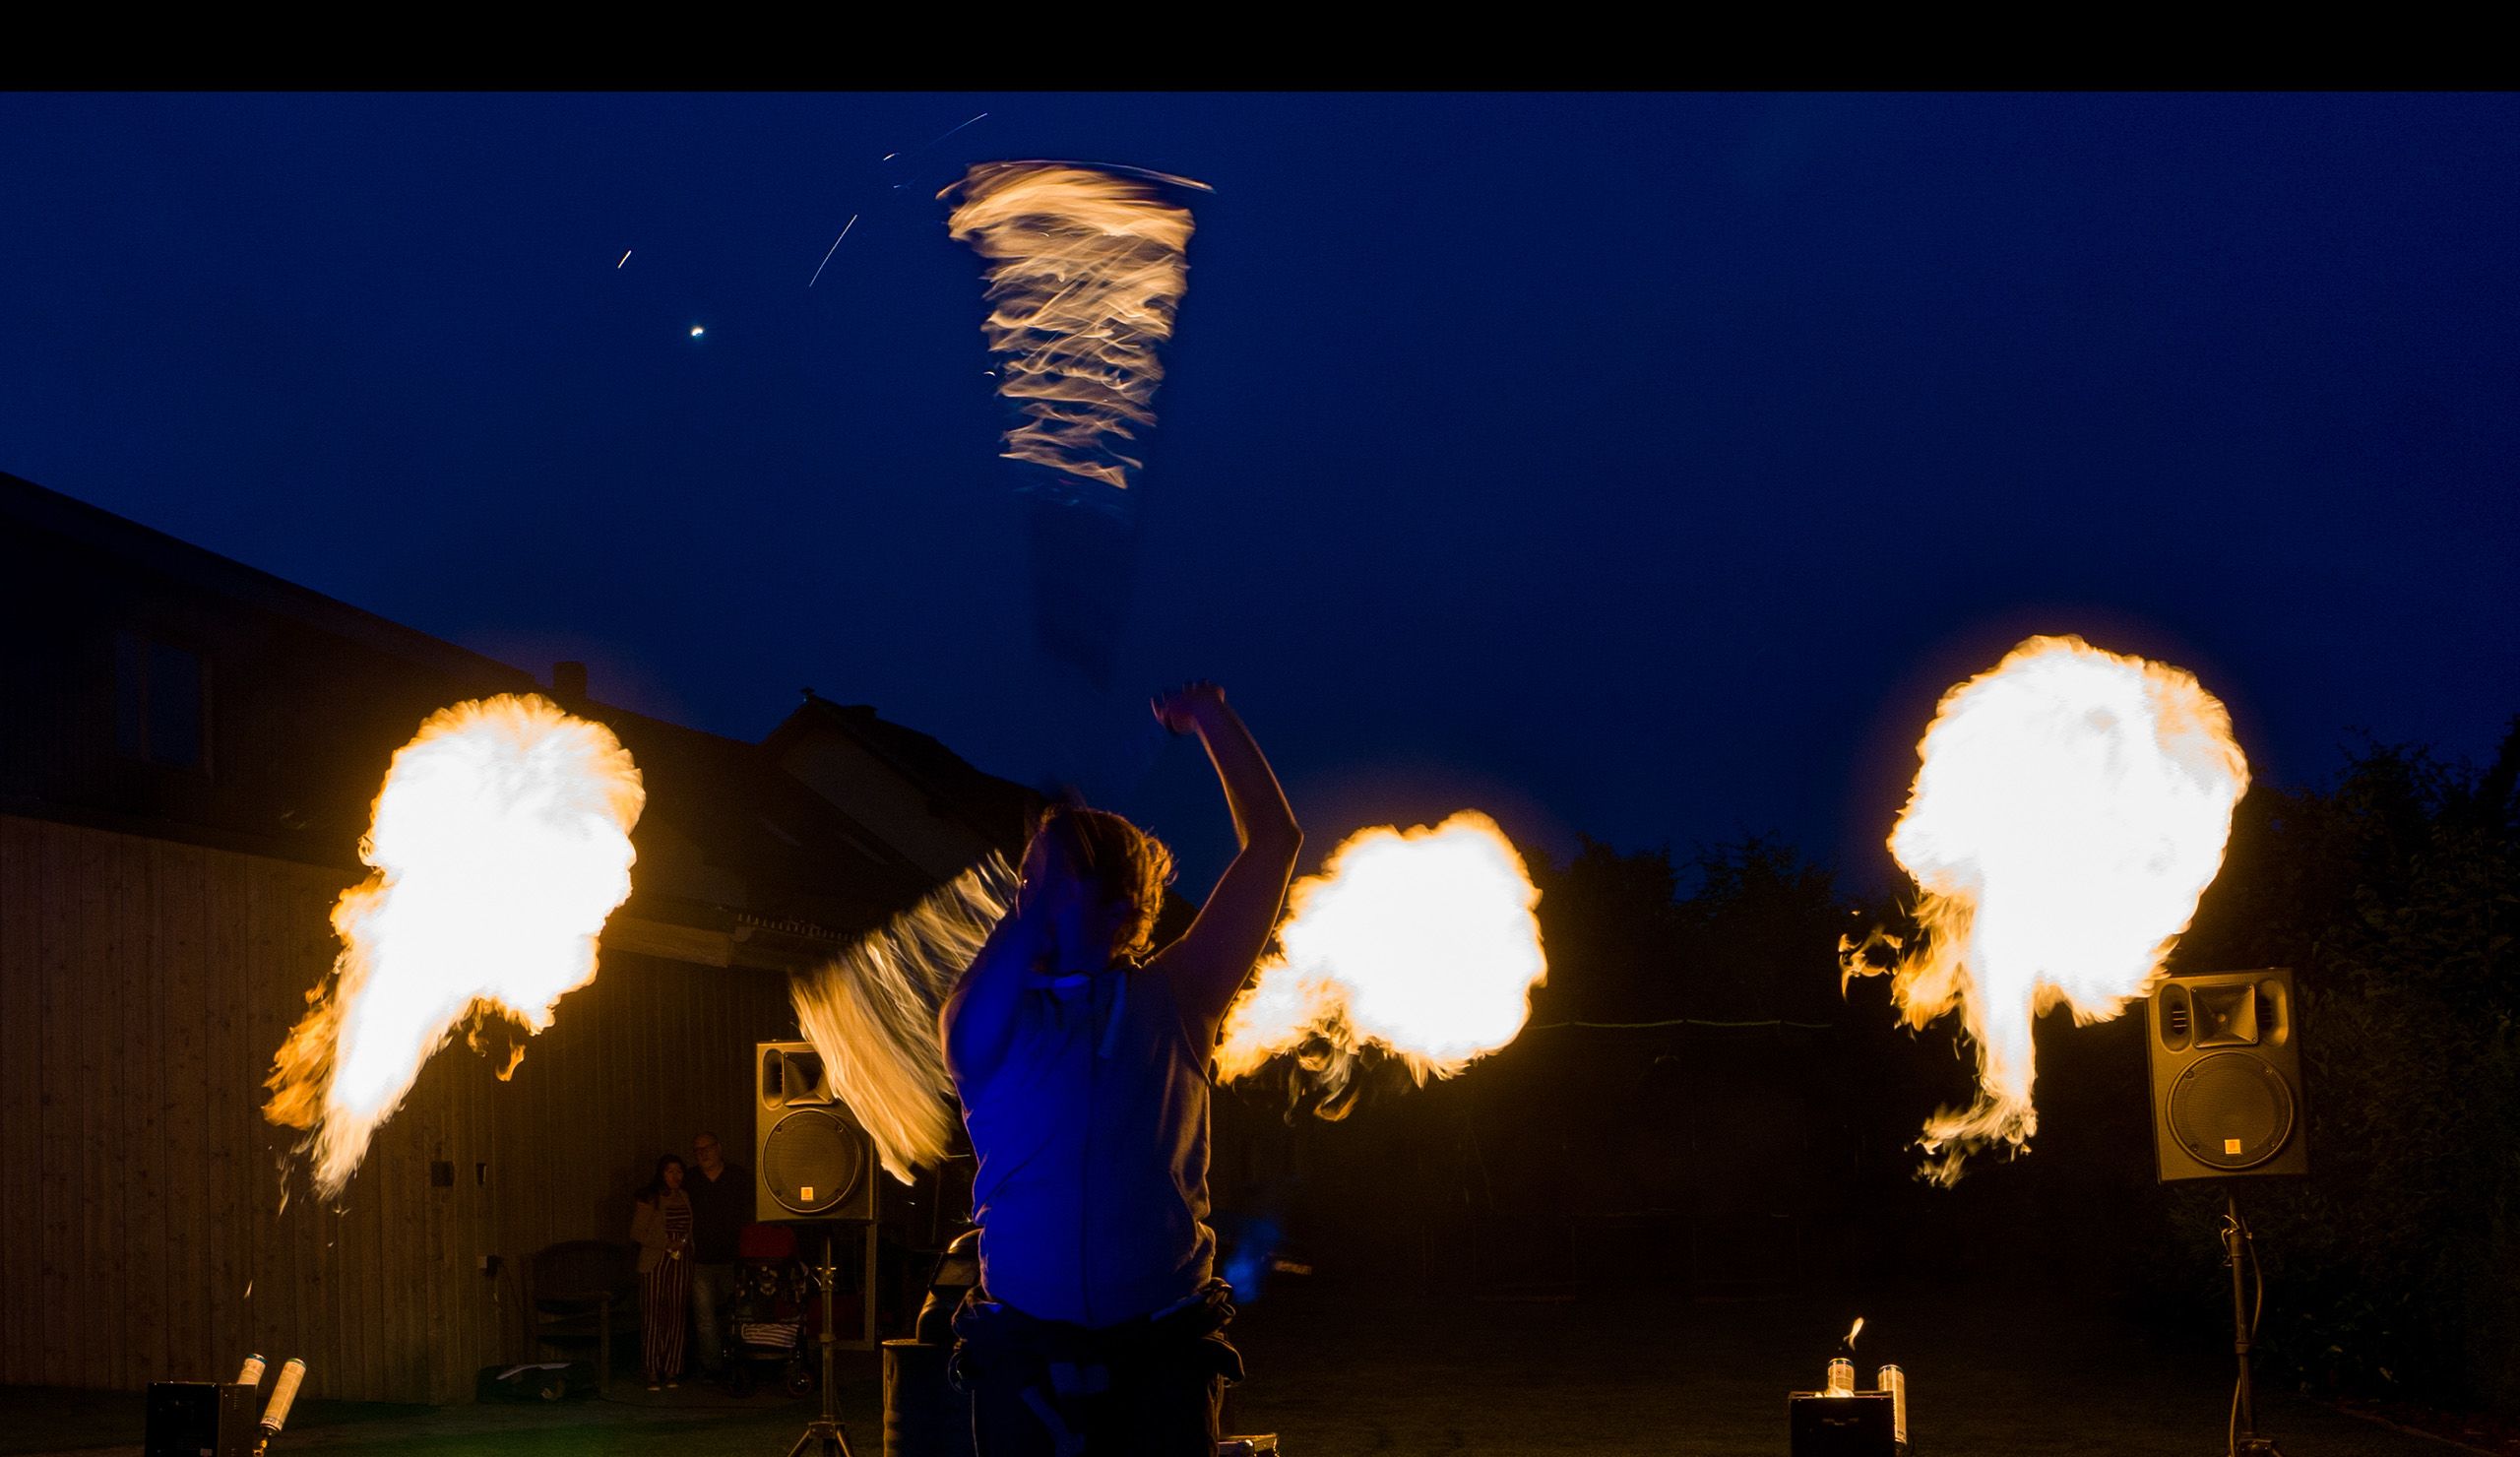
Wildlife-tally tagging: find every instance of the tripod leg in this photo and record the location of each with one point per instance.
(826, 1436)
(2244, 1397)
(2246, 1442)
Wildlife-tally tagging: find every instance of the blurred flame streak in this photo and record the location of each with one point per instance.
(1420, 942)
(500, 842)
(2070, 808)
(1853, 1331)
(1086, 273)
(871, 1013)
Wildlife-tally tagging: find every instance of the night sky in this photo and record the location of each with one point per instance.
(1638, 467)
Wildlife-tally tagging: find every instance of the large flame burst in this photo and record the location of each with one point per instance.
(500, 843)
(1087, 268)
(871, 1013)
(2071, 807)
(1423, 943)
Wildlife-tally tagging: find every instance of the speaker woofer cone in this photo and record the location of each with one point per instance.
(2231, 1111)
(811, 1161)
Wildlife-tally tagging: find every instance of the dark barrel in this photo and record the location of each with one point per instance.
(924, 1414)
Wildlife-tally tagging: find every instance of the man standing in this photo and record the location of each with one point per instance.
(721, 1204)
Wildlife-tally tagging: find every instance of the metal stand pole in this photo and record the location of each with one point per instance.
(2245, 1442)
(826, 1436)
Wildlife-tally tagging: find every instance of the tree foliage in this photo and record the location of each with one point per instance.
(2394, 1266)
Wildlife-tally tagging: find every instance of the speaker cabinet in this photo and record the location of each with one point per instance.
(2225, 1054)
(810, 1159)
(200, 1419)
(1862, 1425)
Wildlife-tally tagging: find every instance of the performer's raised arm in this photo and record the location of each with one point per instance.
(1213, 958)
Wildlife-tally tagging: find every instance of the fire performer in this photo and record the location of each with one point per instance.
(1084, 1059)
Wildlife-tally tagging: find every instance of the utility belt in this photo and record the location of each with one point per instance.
(993, 1338)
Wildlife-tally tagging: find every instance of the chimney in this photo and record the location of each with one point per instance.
(569, 682)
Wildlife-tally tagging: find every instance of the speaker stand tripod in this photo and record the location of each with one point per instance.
(2245, 1441)
(827, 1436)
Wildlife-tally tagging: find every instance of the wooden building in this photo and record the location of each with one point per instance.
(189, 749)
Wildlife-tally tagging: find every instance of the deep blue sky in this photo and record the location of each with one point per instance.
(1642, 466)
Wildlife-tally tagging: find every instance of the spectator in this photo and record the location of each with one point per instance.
(660, 1220)
(721, 1204)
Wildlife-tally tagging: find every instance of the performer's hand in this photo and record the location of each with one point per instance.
(1180, 710)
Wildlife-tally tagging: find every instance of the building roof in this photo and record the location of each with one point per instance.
(26, 506)
(800, 863)
(312, 696)
(999, 811)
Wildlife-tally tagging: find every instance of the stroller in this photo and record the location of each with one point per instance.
(773, 1318)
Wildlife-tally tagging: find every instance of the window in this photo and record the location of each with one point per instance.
(161, 702)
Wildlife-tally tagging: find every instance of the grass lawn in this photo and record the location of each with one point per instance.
(694, 1421)
(1991, 1373)
(1341, 1372)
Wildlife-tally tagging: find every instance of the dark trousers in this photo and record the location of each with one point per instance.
(712, 1293)
(1144, 1388)
(1150, 1409)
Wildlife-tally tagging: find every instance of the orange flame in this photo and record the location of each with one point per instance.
(501, 843)
(1086, 271)
(2070, 808)
(1420, 942)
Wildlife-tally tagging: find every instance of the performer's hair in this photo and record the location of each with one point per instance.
(1130, 866)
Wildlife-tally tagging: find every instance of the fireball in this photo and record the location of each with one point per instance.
(1420, 942)
(2070, 808)
(499, 846)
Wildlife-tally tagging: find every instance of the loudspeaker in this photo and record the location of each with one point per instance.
(810, 1159)
(2226, 1054)
(199, 1419)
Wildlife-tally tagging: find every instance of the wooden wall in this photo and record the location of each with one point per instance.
(148, 1228)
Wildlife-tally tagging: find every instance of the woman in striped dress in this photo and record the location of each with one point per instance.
(660, 1220)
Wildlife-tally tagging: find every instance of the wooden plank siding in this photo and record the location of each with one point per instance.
(227, 1152)
(636, 1064)
(58, 1099)
(183, 1096)
(21, 1086)
(146, 983)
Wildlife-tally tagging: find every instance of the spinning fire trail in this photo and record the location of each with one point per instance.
(871, 1013)
(2071, 807)
(501, 841)
(1087, 270)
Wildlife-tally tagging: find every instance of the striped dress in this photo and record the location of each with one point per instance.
(667, 1292)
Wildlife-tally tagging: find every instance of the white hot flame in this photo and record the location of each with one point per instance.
(501, 843)
(1421, 942)
(1087, 268)
(2070, 808)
